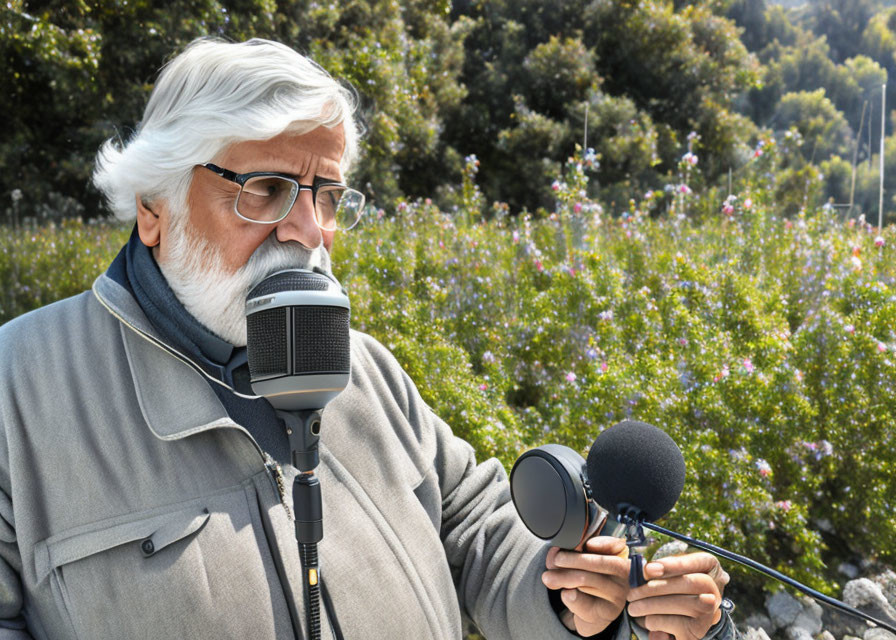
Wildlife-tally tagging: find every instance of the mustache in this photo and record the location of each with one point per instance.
(272, 256)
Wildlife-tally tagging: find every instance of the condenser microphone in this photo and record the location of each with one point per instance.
(297, 323)
(633, 469)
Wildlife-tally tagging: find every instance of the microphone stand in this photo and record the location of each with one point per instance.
(752, 564)
(303, 429)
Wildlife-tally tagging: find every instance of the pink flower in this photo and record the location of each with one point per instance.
(538, 265)
(727, 209)
(757, 153)
(483, 387)
(856, 263)
(604, 367)
(555, 185)
(684, 189)
(850, 329)
(784, 505)
(722, 374)
(879, 241)
(764, 467)
(690, 158)
(798, 375)
(683, 341)
(516, 237)
(570, 377)
(441, 245)
(881, 347)
(748, 365)
(577, 207)
(748, 203)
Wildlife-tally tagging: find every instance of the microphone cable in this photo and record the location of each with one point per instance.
(756, 566)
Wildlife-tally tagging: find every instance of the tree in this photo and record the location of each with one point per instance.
(823, 128)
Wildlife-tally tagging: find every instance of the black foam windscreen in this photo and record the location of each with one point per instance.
(636, 465)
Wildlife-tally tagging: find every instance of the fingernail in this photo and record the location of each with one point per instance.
(545, 578)
(656, 568)
(569, 595)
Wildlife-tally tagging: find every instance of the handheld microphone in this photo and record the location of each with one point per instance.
(636, 472)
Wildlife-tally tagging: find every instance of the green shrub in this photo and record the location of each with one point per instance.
(763, 345)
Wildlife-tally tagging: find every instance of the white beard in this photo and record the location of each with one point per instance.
(217, 299)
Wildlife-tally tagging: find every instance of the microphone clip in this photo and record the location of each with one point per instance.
(303, 430)
(633, 519)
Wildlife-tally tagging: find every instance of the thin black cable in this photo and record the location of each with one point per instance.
(330, 609)
(752, 564)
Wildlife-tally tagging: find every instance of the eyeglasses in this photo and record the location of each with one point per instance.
(267, 197)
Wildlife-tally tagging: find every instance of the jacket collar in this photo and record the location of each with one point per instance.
(161, 373)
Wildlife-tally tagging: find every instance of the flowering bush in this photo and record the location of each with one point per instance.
(763, 345)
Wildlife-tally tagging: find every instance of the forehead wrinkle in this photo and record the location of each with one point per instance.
(302, 163)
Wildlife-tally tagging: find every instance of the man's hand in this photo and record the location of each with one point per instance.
(681, 598)
(594, 583)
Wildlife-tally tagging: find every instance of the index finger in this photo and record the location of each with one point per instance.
(672, 566)
(607, 545)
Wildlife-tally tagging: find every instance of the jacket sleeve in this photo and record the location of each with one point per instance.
(12, 624)
(496, 563)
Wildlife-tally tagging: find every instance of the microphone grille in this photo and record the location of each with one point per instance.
(266, 332)
(321, 337)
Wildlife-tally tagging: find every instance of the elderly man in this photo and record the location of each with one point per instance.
(142, 482)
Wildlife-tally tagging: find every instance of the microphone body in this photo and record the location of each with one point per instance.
(564, 499)
(299, 353)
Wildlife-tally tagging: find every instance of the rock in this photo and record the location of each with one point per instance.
(673, 548)
(887, 583)
(809, 618)
(843, 625)
(754, 634)
(825, 635)
(783, 609)
(760, 621)
(876, 633)
(797, 633)
(867, 596)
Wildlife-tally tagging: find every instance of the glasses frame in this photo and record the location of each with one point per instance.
(242, 178)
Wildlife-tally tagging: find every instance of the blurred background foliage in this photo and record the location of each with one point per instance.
(516, 82)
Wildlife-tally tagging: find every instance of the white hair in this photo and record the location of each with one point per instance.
(212, 95)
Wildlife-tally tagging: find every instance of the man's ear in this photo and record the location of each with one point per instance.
(149, 225)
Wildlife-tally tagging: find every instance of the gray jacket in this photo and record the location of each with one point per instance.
(132, 506)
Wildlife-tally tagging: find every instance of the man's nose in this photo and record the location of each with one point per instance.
(300, 225)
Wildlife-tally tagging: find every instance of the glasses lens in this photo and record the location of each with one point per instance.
(266, 198)
(338, 207)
